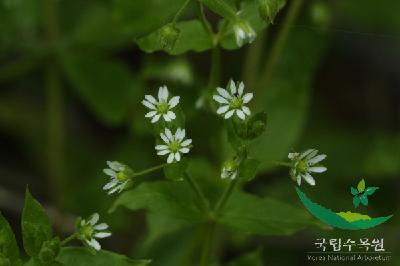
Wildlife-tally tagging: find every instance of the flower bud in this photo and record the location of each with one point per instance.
(230, 169)
(268, 10)
(168, 36)
(243, 32)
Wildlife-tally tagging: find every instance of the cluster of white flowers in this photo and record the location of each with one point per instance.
(305, 163)
(233, 101)
(119, 177)
(88, 230)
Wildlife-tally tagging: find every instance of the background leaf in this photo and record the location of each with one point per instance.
(83, 257)
(36, 226)
(8, 244)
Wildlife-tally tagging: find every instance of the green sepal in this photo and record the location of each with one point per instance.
(248, 169)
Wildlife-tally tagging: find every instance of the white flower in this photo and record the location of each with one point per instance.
(88, 230)
(229, 169)
(162, 107)
(233, 101)
(243, 32)
(174, 145)
(119, 176)
(305, 163)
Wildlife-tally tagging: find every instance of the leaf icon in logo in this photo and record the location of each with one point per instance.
(360, 195)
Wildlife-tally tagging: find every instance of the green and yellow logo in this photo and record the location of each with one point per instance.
(345, 220)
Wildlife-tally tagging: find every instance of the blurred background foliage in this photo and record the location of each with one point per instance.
(72, 78)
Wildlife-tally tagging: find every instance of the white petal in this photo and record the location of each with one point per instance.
(180, 134)
(292, 155)
(299, 180)
(148, 105)
(94, 244)
(229, 114)
(186, 142)
(240, 114)
(232, 87)
(177, 156)
(307, 152)
(102, 234)
(233, 176)
(309, 179)
(246, 110)
(166, 118)
(102, 226)
(241, 88)
(184, 150)
(220, 99)
(223, 109)
(111, 184)
(161, 147)
(317, 169)
(151, 114)
(170, 158)
(168, 133)
(163, 152)
(173, 102)
(164, 138)
(114, 165)
(171, 115)
(151, 99)
(247, 97)
(94, 218)
(224, 93)
(317, 159)
(311, 154)
(112, 191)
(163, 94)
(109, 172)
(155, 118)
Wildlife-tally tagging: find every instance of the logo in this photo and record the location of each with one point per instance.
(345, 220)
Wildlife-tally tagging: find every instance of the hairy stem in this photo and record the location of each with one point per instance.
(280, 41)
(225, 196)
(68, 239)
(149, 170)
(54, 98)
(196, 189)
(179, 13)
(206, 24)
(215, 72)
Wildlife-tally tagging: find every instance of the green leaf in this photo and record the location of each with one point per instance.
(176, 171)
(364, 199)
(253, 127)
(36, 226)
(370, 190)
(253, 258)
(285, 96)
(106, 86)
(264, 216)
(8, 244)
(354, 191)
(221, 7)
(361, 186)
(248, 169)
(172, 199)
(141, 17)
(192, 37)
(83, 257)
(356, 201)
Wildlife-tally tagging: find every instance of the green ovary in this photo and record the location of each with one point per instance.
(174, 146)
(301, 167)
(121, 176)
(162, 108)
(87, 231)
(236, 103)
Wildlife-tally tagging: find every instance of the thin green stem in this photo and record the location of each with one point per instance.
(179, 13)
(283, 164)
(207, 244)
(196, 189)
(252, 60)
(215, 72)
(219, 207)
(206, 24)
(54, 98)
(280, 41)
(149, 170)
(68, 239)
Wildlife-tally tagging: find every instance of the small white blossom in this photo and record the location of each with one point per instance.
(305, 163)
(243, 32)
(161, 107)
(229, 170)
(119, 176)
(175, 145)
(233, 101)
(88, 230)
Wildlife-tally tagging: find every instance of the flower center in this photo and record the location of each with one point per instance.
(87, 231)
(162, 108)
(121, 176)
(302, 167)
(174, 146)
(236, 103)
